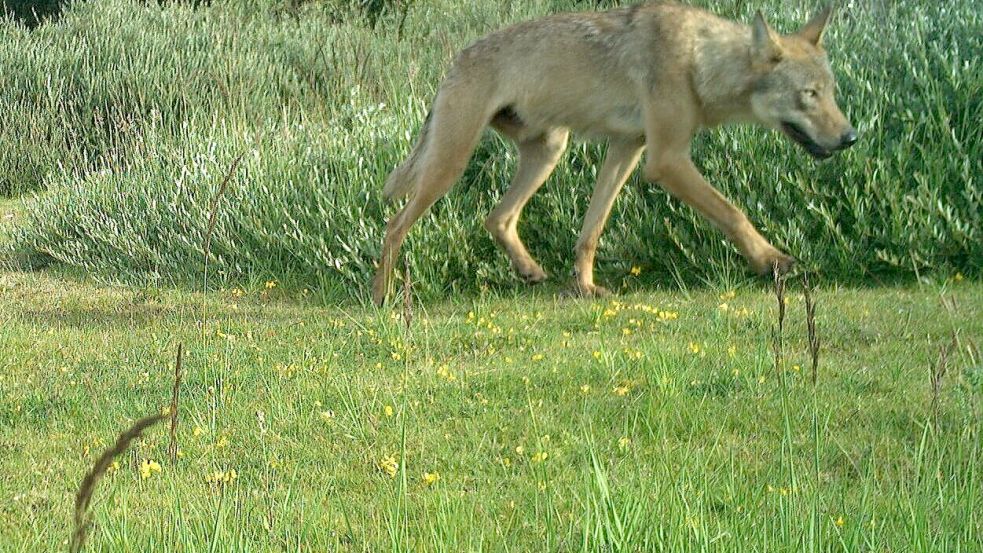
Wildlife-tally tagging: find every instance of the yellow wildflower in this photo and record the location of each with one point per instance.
(270, 284)
(668, 315)
(636, 270)
(388, 465)
(540, 456)
(219, 478)
(148, 468)
(585, 389)
(624, 442)
(388, 410)
(839, 521)
(431, 478)
(444, 372)
(621, 390)
(537, 357)
(694, 348)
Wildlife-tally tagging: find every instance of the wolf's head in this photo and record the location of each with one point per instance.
(794, 88)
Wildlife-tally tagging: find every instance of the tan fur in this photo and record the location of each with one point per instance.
(645, 78)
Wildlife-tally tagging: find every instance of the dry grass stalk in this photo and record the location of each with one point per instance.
(778, 340)
(404, 8)
(407, 294)
(811, 326)
(175, 397)
(213, 208)
(88, 486)
(937, 374)
(207, 247)
(952, 307)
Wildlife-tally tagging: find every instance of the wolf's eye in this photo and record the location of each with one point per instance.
(810, 93)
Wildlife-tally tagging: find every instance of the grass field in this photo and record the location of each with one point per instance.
(653, 422)
(502, 417)
(147, 104)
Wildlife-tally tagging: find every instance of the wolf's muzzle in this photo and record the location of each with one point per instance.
(848, 139)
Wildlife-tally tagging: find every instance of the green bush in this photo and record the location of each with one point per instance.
(142, 109)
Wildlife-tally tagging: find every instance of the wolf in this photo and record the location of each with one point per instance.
(645, 78)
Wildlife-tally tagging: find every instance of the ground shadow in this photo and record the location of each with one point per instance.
(32, 13)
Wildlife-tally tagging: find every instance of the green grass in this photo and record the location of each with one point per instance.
(708, 448)
(145, 106)
(554, 425)
(10, 212)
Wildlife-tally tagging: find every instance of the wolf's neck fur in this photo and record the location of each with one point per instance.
(724, 76)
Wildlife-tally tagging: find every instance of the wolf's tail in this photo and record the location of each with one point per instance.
(404, 178)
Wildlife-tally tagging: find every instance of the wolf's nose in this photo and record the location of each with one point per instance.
(848, 139)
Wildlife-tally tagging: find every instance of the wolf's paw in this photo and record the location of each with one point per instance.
(531, 273)
(776, 262)
(380, 287)
(581, 290)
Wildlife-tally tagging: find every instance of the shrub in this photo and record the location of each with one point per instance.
(144, 108)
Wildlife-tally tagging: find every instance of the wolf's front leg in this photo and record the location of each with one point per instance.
(670, 124)
(621, 159)
(679, 177)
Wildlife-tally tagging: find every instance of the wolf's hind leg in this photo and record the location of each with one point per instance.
(453, 138)
(621, 159)
(537, 159)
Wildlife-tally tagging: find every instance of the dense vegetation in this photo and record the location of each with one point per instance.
(657, 421)
(123, 117)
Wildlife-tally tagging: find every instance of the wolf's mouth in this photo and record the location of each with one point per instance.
(796, 133)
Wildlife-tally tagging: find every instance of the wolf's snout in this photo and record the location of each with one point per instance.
(848, 139)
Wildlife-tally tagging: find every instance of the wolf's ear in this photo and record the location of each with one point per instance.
(765, 47)
(813, 30)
